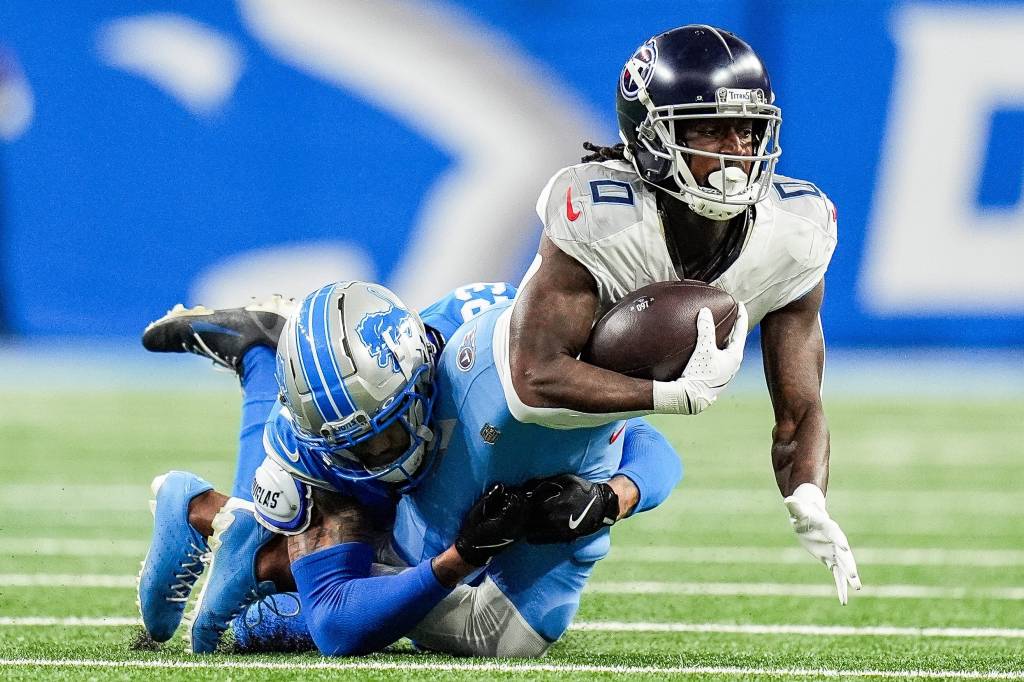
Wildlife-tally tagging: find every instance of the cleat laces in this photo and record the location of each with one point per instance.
(191, 570)
(268, 604)
(210, 353)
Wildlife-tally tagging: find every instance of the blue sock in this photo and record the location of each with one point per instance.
(259, 393)
(274, 624)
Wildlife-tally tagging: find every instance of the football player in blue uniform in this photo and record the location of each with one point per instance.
(373, 402)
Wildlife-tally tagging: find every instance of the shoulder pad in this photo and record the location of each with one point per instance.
(590, 201)
(462, 304)
(802, 199)
(796, 248)
(807, 216)
(283, 504)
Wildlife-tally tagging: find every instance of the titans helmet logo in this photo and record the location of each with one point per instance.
(645, 57)
(394, 322)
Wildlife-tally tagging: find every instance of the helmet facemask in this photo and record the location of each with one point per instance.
(412, 409)
(662, 158)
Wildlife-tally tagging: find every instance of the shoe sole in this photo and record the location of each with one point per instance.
(276, 304)
(154, 487)
(178, 311)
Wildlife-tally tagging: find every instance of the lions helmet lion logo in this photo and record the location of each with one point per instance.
(394, 322)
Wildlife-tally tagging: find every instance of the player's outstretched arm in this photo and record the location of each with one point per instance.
(347, 611)
(550, 325)
(794, 355)
(793, 349)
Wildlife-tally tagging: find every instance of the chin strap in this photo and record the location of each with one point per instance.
(712, 210)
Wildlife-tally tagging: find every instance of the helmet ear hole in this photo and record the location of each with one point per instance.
(760, 128)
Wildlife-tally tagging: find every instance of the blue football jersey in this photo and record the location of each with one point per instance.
(279, 440)
(462, 304)
(481, 443)
(478, 443)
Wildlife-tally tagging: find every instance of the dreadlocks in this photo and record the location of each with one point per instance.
(614, 153)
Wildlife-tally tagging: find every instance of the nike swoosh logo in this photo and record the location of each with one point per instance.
(506, 541)
(615, 436)
(573, 523)
(203, 326)
(570, 213)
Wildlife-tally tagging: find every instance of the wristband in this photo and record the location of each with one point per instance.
(670, 398)
(808, 493)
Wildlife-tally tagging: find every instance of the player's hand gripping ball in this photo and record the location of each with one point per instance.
(651, 332)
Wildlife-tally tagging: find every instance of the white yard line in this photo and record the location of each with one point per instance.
(813, 630)
(878, 556)
(798, 590)
(510, 667)
(72, 547)
(69, 621)
(57, 498)
(921, 504)
(65, 580)
(616, 626)
(608, 587)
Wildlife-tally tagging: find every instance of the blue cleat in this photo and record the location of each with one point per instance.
(272, 625)
(231, 585)
(175, 557)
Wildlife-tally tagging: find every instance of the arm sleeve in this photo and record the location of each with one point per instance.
(350, 613)
(650, 462)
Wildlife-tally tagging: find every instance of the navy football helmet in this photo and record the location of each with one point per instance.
(690, 73)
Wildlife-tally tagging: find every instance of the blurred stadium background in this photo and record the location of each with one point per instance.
(154, 152)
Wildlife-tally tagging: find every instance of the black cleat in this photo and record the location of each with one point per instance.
(220, 335)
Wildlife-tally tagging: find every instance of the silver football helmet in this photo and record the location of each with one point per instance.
(352, 361)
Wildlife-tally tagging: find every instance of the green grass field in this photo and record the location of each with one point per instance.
(711, 586)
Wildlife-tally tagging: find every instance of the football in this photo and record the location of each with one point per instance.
(651, 332)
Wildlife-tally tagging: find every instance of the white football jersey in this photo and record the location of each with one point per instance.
(603, 215)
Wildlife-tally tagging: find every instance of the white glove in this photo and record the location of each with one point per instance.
(822, 537)
(708, 371)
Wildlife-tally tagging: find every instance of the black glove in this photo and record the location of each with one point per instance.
(566, 507)
(491, 525)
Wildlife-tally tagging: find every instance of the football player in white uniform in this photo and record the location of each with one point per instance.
(690, 193)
